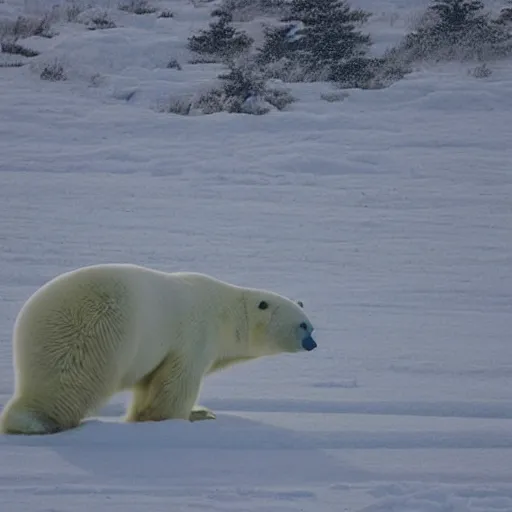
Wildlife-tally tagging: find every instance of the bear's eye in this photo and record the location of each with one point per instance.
(263, 305)
(304, 326)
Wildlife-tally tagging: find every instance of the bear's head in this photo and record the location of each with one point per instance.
(276, 324)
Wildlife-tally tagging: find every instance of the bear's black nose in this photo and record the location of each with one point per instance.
(309, 344)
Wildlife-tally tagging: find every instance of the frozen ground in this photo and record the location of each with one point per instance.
(389, 214)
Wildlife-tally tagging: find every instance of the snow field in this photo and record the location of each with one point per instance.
(388, 213)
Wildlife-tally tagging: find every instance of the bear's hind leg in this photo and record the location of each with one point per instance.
(56, 400)
(20, 418)
(169, 392)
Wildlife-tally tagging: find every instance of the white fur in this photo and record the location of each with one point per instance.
(98, 330)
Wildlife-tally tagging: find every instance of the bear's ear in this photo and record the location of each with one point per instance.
(263, 305)
(300, 303)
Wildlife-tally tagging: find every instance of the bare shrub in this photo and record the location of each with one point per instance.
(332, 97)
(482, 71)
(96, 79)
(101, 21)
(166, 14)
(278, 98)
(72, 11)
(53, 72)
(505, 16)
(13, 64)
(17, 49)
(23, 27)
(174, 64)
(96, 19)
(179, 106)
(137, 7)
(203, 60)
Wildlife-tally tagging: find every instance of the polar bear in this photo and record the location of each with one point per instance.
(98, 330)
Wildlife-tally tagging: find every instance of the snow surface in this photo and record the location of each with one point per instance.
(388, 213)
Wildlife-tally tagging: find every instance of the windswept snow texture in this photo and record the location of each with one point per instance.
(389, 214)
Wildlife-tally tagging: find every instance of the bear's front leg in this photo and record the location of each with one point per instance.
(200, 413)
(169, 392)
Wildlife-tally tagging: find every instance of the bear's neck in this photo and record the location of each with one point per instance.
(233, 339)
